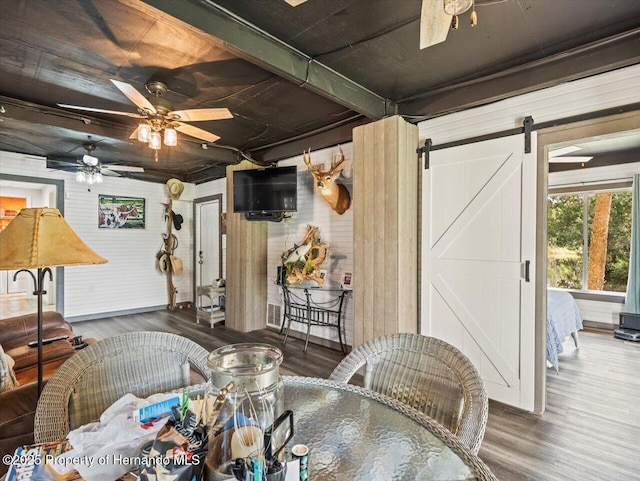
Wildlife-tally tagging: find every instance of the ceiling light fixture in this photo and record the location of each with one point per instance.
(89, 171)
(170, 136)
(158, 118)
(570, 158)
(556, 156)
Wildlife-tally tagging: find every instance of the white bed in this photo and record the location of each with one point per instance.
(563, 319)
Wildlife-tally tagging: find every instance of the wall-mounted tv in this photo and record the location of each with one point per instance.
(274, 189)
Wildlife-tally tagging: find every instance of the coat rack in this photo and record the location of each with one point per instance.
(168, 262)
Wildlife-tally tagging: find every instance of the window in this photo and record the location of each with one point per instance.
(589, 240)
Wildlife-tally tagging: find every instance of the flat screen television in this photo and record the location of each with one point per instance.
(274, 189)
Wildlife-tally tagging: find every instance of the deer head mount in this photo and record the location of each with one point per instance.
(336, 195)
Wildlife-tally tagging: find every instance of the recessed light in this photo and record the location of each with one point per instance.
(564, 150)
(567, 159)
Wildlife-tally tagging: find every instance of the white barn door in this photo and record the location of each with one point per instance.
(478, 239)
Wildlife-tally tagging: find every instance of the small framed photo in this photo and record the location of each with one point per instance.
(346, 281)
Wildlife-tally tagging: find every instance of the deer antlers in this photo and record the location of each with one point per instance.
(336, 195)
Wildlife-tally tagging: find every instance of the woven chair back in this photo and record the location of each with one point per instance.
(141, 363)
(427, 374)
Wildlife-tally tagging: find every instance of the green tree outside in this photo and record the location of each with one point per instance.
(565, 240)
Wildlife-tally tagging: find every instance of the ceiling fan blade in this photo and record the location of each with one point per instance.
(196, 132)
(134, 134)
(434, 23)
(122, 168)
(59, 164)
(109, 173)
(295, 3)
(91, 109)
(196, 115)
(132, 94)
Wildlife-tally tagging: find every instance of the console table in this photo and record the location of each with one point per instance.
(300, 306)
(212, 315)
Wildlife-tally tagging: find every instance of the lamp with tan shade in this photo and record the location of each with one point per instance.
(40, 238)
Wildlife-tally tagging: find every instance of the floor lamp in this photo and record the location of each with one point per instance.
(39, 239)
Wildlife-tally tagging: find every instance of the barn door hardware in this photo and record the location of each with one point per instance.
(424, 152)
(528, 124)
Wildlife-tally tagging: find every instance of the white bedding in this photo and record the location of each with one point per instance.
(563, 318)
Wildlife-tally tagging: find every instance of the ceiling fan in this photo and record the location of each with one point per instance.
(436, 18)
(88, 168)
(158, 115)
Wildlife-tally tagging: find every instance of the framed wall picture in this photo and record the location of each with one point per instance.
(346, 281)
(115, 212)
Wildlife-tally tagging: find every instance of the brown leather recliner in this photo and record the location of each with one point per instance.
(19, 405)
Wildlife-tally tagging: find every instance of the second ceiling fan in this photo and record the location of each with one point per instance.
(436, 18)
(158, 117)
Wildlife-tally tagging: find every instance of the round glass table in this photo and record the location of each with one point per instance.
(355, 433)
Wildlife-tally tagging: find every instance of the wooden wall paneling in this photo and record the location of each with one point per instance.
(377, 225)
(359, 157)
(368, 213)
(389, 212)
(246, 293)
(408, 215)
(385, 229)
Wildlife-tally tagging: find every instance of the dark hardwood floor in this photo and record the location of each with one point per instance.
(590, 430)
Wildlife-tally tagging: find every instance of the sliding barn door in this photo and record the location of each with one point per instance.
(478, 260)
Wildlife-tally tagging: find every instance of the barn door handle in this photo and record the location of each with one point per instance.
(527, 264)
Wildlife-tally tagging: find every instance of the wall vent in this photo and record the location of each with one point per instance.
(273, 315)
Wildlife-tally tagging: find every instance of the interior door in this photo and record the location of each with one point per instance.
(478, 260)
(208, 259)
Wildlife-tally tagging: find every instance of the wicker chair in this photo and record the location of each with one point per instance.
(427, 374)
(142, 363)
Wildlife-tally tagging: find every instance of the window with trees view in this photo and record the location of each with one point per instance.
(589, 237)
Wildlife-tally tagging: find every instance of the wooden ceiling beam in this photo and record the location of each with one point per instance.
(604, 55)
(256, 46)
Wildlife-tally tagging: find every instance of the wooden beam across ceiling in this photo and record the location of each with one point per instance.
(256, 46)
(604, 55)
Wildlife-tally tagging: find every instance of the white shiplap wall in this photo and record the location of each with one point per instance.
(336, 230)
(130, 280)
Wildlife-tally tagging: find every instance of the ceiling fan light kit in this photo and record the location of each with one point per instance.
(89, 174)
(170, 137)
(158, 119)
(144, 132)
(457, 7)
(438, 17)
(155, 140)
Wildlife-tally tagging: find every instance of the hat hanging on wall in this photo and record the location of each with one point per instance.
(177, 220)
(176, 265)
(174, 188)
(163, 262)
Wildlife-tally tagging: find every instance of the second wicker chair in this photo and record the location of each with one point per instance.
(142, 363)
(427, 374)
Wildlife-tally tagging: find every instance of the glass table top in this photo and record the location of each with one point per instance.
(351, 435)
